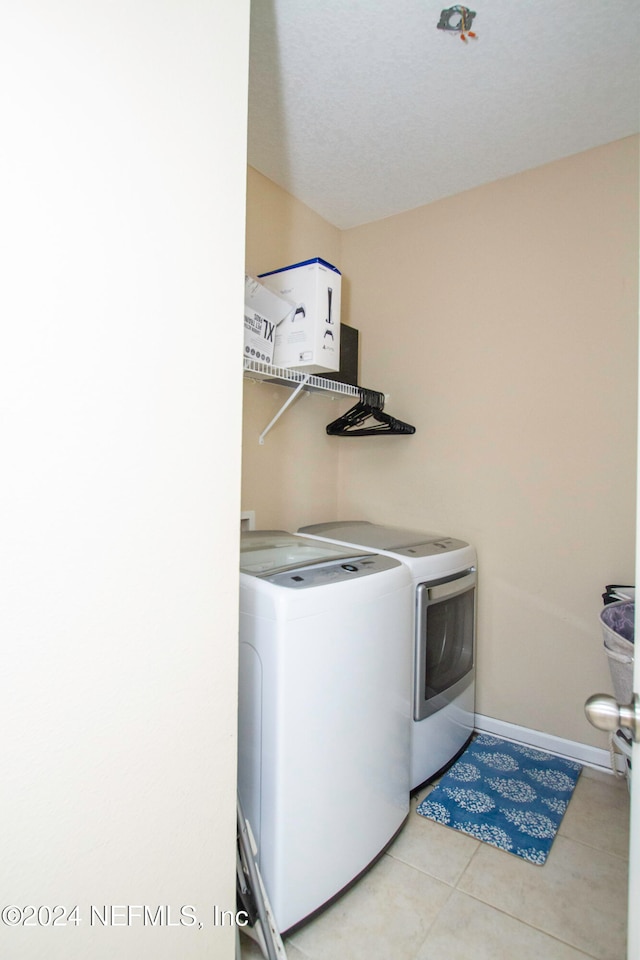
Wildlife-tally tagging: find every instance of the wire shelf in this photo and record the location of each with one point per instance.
(257, 370)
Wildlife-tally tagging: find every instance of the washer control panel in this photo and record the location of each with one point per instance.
(321, 574)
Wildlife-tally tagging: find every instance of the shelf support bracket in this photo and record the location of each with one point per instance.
(283, 408)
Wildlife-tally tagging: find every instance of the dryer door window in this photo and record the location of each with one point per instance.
(445, 641)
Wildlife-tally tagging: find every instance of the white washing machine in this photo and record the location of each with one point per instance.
(324, 713)
(441, 637)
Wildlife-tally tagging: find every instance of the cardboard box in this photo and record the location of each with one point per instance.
(263, 311)
(310, 339)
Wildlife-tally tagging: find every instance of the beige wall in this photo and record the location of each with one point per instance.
(503, 324)
(122, 223)
(292, 477)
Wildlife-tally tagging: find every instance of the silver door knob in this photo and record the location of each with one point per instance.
(606, 713)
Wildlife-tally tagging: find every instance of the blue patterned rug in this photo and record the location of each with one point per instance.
(505, 794)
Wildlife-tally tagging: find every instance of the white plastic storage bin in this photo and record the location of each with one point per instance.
(618, 631)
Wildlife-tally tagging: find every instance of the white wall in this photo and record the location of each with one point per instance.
(122, 260)
(505, 328)
(282, 230)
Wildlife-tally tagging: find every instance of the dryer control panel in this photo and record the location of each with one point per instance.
(320, 574)
(430, 548)
(375, 536)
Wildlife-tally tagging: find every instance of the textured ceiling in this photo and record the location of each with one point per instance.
(364, 108)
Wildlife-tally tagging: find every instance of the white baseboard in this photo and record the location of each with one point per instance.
(569, 749)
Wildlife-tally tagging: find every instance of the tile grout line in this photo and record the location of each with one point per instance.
(526, 923)
(452, 890)
(591, 846)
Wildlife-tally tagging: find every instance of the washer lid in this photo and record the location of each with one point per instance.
(273, 551)
(413, 543)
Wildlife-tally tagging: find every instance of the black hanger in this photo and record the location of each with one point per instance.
(356, 422)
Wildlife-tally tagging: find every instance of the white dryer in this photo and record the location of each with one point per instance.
(441, 637)
(324, 713)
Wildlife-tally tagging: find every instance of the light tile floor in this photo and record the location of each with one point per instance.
(437, 894)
